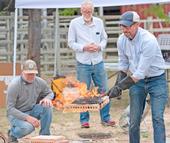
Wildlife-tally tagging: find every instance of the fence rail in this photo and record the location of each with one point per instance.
(66, 58)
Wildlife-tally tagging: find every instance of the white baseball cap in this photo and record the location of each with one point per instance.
(30, 66)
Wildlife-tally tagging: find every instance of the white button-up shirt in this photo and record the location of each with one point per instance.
(80, 34)
(141, 56)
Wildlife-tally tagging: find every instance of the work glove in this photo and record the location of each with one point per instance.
(121, 75)
(125, 83)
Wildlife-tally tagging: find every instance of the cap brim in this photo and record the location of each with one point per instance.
(31, 71)
(126, 23)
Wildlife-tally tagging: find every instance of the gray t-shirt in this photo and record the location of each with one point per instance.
(22, 96)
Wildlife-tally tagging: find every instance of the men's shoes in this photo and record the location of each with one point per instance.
(11, 139)
(109, 123)
(85, 125)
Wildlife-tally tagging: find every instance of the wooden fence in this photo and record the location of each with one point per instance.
(64, 60)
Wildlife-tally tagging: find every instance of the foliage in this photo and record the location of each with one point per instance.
(7, 6)
(2, 13)
(68, 11)
(157, 11)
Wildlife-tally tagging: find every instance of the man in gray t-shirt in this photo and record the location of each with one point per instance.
(28, 103)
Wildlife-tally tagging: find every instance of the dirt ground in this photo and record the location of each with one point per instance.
(67, 124)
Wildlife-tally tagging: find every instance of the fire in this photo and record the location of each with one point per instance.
(68, 89)
(81, 87)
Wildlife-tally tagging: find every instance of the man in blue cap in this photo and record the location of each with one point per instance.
(142, 71)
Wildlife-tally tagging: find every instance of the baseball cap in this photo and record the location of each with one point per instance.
(128, 18)
(30, 66)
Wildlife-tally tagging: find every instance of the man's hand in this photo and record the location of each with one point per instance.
(46, 102)
(114, 92)
(34, 121)
(91, 48)
(125, 83)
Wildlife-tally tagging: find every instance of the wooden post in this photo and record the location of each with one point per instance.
(149, 23)
(57, 63)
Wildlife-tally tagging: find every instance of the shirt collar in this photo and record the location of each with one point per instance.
(83, 22)
(25, 81)
(136, 36)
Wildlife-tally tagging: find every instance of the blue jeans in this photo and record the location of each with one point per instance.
(21, 128)
(156, 87)
(97, 74)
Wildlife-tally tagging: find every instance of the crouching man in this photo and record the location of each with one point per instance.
(28, 104)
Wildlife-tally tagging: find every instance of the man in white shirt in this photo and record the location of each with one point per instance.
(142, 71)
(87, 37)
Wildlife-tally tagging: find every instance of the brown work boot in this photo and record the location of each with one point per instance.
(109, 123)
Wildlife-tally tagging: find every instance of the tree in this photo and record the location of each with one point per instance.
(7, 5)
(34, 29)
(157, 10)
(68, 11)
(34, 36)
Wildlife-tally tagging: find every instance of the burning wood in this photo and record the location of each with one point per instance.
(90, 100)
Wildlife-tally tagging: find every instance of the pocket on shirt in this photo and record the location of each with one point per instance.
(98, 37)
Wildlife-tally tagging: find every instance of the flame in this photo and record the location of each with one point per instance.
(69, 89)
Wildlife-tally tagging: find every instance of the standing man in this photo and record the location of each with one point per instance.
(87, 37)
(140, 56)
(28, 104)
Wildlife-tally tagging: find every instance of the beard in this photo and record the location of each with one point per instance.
(27, 80)
(128, 35)
(87, 19)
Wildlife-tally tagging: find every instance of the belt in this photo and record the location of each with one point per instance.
(154, 76)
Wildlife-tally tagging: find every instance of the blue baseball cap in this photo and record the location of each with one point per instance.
(128, 18)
